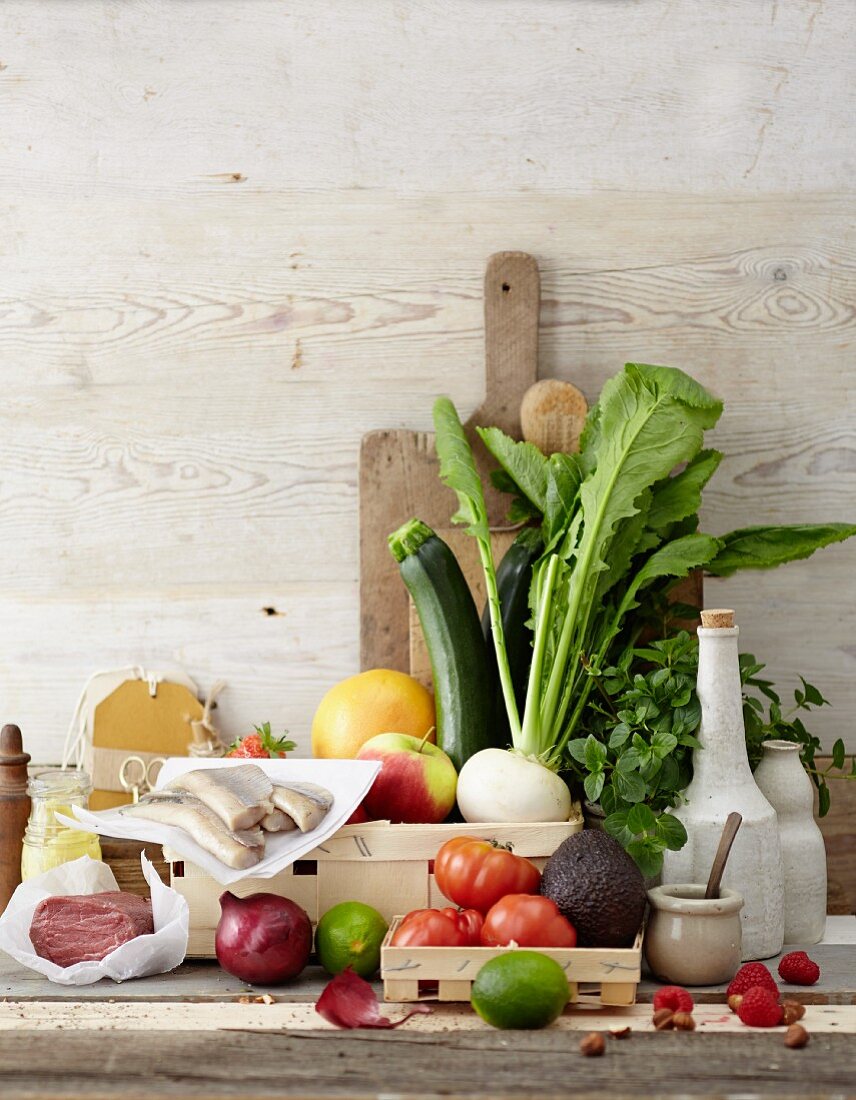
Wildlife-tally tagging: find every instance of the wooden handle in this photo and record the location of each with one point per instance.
(732, 824)
(512, 300)
(14, 809)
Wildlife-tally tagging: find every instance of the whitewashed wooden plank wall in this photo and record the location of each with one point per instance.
(237, 235)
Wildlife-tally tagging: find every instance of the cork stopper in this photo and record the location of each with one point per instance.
(717, 618)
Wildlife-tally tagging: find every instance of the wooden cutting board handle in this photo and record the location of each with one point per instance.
(512, 298)
(399, 475)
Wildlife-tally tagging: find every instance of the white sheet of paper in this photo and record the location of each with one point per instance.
(155, 954)
(347, 780)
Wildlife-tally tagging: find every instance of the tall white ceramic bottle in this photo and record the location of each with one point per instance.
(723, 782)
(785, 785)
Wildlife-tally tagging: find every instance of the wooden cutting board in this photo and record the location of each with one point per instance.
(399, 474)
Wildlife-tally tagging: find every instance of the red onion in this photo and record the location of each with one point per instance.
(263, 938)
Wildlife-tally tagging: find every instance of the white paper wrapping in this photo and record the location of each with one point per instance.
(347, 780)
(155, 954)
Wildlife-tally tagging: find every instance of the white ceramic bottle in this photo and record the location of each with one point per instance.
(785, 785)
(723, 782)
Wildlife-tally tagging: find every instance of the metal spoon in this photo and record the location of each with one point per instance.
(729, 832)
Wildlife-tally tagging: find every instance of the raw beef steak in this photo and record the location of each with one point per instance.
(85, 927)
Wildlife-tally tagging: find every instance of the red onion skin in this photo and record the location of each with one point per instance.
(262, 939)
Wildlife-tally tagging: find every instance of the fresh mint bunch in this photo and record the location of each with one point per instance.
(636, 758)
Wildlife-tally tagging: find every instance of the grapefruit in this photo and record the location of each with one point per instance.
(357, 709)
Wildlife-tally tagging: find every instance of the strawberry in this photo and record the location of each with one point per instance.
(261, 745)
(674, 997)
(760, 1008)
(798, 969)
(749, 975)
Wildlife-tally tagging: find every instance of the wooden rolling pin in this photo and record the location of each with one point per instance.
(14, 809)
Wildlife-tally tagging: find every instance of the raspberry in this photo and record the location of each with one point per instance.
(759, 1008)
(798, 969)
(749, 975)
(674, 997)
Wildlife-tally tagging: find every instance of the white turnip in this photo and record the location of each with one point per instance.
(501, 785)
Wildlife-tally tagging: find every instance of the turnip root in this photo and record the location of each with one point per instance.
(501, 785)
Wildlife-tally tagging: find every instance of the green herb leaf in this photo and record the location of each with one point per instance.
(594, 755)
(671, 831)
(838, 754)
(822, 799)
(640, 819)
(619, 735)
(616, 825)
(648, 856)
(766, 547)
(629, 786)
(593, 785)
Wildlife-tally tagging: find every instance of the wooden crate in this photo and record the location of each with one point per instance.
(387, 866)
(447, 973)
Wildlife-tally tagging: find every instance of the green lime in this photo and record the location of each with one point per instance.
(521, 989)
(350, 934)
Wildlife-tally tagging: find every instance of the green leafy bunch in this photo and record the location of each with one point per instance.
(619, 523)
(765, 719)
(636, 758)
(640, 723)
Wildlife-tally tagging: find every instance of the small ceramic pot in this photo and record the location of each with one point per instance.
(692, 940)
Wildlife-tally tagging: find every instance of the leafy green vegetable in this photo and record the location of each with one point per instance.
(765, 547)
(764, 720)
(458, 471)
(676, 498)
(618, 522)
(649, 420)
(523, 462)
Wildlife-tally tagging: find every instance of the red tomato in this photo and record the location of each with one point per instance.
(430, 928)
(530, 921)
(469, 921)
(475, 874)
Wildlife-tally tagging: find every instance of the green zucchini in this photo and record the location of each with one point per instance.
(513, 580)
(464, 690)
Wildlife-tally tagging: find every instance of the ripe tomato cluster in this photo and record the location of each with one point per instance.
(500, 904)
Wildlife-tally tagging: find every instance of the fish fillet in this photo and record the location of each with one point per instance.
(239, 849)
(277, 822)
(240, 796)
(306, 804)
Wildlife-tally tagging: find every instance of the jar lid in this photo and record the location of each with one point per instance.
(59, 783)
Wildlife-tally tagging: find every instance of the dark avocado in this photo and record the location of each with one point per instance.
(598, 887)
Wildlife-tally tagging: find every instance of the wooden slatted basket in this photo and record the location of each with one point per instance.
(447, 973)
(387, 866)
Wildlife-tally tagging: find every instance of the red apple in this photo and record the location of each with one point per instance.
(416, 782)
(359, 816)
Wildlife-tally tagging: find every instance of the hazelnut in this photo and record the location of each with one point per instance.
(735, 1001)
(592, 1045)
(793, 1011)
(664, 1019)
(796, 1036)
(683, 1021)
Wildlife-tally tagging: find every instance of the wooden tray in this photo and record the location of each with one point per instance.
(447, 973)
(387, 866)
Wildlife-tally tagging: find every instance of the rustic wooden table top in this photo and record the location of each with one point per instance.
(187, 1035)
